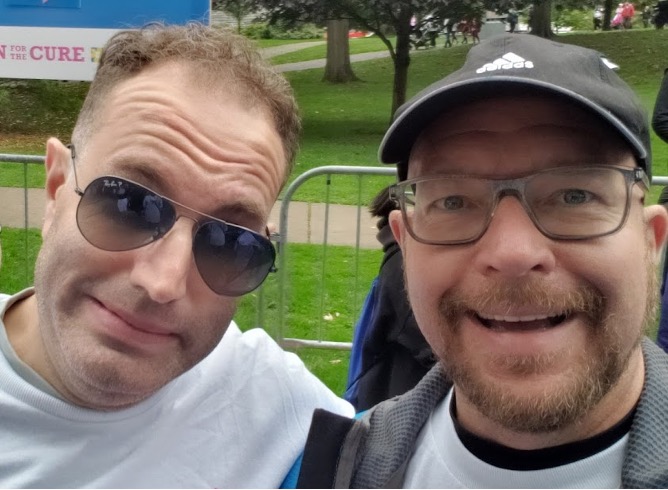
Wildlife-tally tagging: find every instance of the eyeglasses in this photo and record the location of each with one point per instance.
(564, 203)
(116, 214)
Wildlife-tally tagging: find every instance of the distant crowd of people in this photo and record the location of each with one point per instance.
(623, 18)
(625, 13)
(425, 33)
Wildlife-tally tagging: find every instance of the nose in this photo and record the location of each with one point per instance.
(512, 246)
(162, 267)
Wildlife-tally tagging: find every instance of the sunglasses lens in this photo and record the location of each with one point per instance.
(232, 260)
(116, 215)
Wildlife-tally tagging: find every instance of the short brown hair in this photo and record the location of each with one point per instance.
(217, 53)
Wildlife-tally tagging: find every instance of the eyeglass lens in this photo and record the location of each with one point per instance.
(115, 214)
(563, 203)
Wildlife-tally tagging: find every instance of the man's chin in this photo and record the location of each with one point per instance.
(537, 394)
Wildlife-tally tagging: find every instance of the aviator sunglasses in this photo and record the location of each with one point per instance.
(116, 215)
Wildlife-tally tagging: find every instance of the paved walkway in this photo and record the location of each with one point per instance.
(306, 221)
(307, 65)
(272, 51)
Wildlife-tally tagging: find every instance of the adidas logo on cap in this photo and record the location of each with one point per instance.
(508, 61)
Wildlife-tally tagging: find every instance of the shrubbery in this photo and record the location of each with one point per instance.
(262, 30)
(576, 19)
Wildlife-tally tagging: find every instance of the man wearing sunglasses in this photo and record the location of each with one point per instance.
(115, 371)
(530, 265)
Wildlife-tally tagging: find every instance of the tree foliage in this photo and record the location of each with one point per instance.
(382, 17)
(393, 17)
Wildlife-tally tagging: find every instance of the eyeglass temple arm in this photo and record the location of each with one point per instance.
(77, 189)
(639, 175)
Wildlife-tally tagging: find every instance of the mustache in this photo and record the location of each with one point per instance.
(583, 299)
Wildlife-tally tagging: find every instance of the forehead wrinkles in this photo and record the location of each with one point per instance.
(167, 118)
(184, 115)
(183, 111)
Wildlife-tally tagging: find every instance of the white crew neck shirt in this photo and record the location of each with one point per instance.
(442, 461)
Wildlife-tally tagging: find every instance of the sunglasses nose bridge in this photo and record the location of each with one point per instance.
(172, 228)
(177, 217)
(195, 224)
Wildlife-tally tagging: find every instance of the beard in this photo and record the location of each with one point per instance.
(595, 371)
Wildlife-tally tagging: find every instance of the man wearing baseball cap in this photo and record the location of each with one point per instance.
(530, 265)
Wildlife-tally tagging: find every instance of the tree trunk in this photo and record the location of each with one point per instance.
(541, 18)
(338, 69)
(401, 59)
(607, 14)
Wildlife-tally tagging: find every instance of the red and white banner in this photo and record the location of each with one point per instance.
(53, 53)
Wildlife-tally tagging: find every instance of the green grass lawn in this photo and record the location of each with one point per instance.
(19, 249)
(323, 297)
(22, 175)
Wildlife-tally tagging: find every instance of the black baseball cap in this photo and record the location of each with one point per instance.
(524, 63)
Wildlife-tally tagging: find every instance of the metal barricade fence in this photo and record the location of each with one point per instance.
(285, 269)
(18, 209)
(24, 160)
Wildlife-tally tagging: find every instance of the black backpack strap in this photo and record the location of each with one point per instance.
(321, 455)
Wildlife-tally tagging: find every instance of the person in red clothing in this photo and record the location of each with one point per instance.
(628, 11)
(464, 28)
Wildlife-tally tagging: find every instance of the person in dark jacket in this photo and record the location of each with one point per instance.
(660, 116)
(530, 264)
(662, 333)
(393, 353)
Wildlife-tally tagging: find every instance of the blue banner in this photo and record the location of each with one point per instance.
(114, 14)
(63, 4)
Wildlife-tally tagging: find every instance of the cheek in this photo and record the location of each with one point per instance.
(618, 267)
(430, 271)
(71, 254)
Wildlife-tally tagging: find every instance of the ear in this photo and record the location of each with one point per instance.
(398, 227)
(57, 170)
(656, 218)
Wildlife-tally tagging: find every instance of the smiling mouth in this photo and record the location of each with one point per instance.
(508, 323)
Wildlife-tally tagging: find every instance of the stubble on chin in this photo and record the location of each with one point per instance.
(98, 372)
(595, 371)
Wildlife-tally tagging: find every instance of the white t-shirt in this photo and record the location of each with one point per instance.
(238, 419)
(442, 461)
